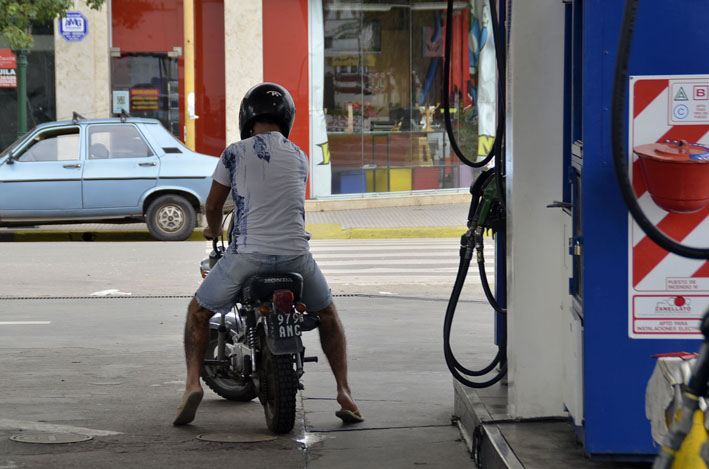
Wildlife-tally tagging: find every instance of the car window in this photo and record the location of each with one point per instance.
(165, 140)
(116, 141)
(53, 145)
(12, 146)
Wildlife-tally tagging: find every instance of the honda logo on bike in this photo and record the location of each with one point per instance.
(273, 93)
(276, 280)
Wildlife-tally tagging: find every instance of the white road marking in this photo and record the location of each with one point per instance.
(395, 261)
(23, 323)
(11, 424)
(111, 292)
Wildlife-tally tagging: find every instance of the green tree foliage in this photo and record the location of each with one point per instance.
(17, 16)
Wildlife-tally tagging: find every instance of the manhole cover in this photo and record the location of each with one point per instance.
(236, 437)
(50, 438)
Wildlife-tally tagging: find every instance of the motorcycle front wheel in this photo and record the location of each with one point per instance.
(280, 385)
(225, 382)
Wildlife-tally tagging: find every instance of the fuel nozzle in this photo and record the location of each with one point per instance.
(467, 244)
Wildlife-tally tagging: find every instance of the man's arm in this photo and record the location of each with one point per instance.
(213, 209)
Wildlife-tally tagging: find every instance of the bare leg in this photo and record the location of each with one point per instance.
(196, 340)
(332, 340)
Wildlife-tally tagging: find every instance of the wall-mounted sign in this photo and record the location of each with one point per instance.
(74, 26)
(8, 69)
(145, 99)
(121, 101)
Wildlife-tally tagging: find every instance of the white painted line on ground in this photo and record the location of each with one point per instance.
(11, 424)
(23, 323)
(111, 292)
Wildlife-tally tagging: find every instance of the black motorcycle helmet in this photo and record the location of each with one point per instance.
(270, 102)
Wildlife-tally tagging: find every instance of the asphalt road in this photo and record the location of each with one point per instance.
(113, 368)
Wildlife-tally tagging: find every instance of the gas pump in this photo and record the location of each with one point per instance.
(676, 174)
(634, 227)
(641, 284)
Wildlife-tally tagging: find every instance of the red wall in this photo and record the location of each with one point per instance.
(158, 26)
(210, 99)
(285, 58)
(147, 25)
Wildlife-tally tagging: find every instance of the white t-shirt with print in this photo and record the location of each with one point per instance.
(267, 174)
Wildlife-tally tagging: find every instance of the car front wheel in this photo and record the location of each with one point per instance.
(170, 218)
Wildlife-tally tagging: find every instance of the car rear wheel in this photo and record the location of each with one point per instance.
(170, 218)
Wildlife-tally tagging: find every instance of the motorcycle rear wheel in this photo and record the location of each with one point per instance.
(230, 387)
(281, 385)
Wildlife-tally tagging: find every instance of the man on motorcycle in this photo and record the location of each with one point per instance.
(266, 174)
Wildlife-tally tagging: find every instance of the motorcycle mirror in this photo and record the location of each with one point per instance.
(10, 159)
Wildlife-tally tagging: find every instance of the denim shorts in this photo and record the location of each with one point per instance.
(219, 290)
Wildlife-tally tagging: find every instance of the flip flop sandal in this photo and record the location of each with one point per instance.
(348, 416)
(186, 412)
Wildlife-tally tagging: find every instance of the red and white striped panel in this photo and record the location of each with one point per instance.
(653, 267)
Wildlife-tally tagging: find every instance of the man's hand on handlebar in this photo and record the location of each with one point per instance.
(212, 234)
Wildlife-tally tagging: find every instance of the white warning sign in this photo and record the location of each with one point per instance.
(667, 315)
(667, 294)
(690, 102)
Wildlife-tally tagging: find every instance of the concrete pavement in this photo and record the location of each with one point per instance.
(113, 368)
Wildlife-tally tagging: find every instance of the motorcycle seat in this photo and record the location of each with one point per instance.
(261, 287)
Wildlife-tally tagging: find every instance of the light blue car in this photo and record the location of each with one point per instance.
(104, 170)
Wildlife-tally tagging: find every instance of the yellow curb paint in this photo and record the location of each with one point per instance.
(317, 230)
(335, 231)
(55, 236)
(410, 232)
(326, 231)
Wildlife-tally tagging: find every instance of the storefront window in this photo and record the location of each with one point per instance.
(146, 85)
(383, 77)
(41, 99)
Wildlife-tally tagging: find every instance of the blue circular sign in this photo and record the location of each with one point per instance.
(681, 112)
(74, 26)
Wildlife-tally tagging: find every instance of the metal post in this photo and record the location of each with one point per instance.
(21, 92)
(190, 114)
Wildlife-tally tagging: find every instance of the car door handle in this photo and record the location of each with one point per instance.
(147, 164)
(72, 166)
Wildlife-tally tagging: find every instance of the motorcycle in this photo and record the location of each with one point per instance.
(256, 349)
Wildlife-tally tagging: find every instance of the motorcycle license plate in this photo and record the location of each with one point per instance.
(287, 325)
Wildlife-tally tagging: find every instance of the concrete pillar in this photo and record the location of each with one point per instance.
(537, 283)
(82, 68)
(243, 61)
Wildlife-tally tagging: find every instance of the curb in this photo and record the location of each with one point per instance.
(386, 202)
(335, 231)
(317, 230)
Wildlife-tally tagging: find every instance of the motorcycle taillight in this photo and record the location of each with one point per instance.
(283, 299)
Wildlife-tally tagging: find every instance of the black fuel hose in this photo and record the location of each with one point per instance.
(466, 252)
(457, 369)
(446, 97)
(476, 190)
(480, 247)
(620, 159)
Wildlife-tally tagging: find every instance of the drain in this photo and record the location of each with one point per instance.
(236, 437)
(50, 438)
